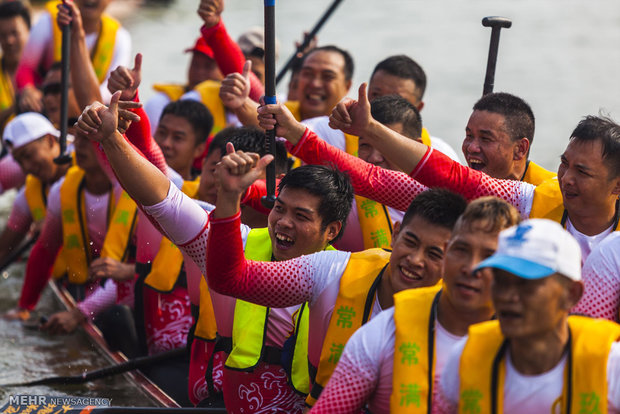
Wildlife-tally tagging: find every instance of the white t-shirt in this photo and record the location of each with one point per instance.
(528, 393)
(40, 49)
(335, 137)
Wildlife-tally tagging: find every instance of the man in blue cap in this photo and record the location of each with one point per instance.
(534, 357)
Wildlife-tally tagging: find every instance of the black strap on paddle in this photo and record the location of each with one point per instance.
(65, 49)
(104, 372)
(307, 39)
(270, 98)
(496, 24)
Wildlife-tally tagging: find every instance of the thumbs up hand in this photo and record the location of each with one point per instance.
(126, 80)
(235, 88)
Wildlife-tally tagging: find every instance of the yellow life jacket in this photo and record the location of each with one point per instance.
(352, 309)
(293, 106)
(7, 93)
(76, 244)
(102, 53)
(250, 320)
(548, 203)
(426, 137)
(121, 229)
(375, 223)
(535, 174)
(206, 327)
(167, 265)
(415, 313)
(209, 91)
(36, 197)
(482, 367)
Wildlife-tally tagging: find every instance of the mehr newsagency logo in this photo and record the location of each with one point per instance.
(50, 404)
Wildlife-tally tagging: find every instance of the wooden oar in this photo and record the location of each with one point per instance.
(307, 39)
(270, 98)
(103, 372)
(64, 157)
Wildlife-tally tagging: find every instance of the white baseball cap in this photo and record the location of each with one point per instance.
(535, 249)
(27, 127)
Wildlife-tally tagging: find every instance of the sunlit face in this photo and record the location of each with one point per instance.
(585, 179)
(37, 158)
(528, 308)
(487, 147)
(13, 36)
(295, 226)
(202, 68)
(470, 244)
(367, 152)
(85, 153)
(382, 84)
(178, 142)
(92, 9)
(321, 83)
(417, 255)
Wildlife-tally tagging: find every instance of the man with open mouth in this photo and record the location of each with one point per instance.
(534, 357)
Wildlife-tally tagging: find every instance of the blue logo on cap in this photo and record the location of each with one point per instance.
(519, 236)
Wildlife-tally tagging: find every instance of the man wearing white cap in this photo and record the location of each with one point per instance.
(535, 358)
(31, 138)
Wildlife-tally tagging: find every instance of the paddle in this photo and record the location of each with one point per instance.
(103, 372)
(496, 24)
(307, 39)
(270, 98)
(64, 158)
(17, 253)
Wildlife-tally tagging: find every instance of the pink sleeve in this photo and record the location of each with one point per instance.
(102, 298)
(275, 284)
(438, 170)
(11, 174)
(41, 262)
(350, 386)
(229, 56)
(20, 218)
(392, 188)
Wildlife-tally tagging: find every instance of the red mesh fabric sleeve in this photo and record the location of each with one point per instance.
(139, 135)
(41, 262)
(229, 57)
(275, 284)
(392, 188)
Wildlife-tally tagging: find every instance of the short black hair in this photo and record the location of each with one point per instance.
(519, 117)
(248, 139)
(392, 109)
(592, 128)
(332, 186)
(196, 113)
(348, 60)
(14, 8)
(404, 67)
(438, 206)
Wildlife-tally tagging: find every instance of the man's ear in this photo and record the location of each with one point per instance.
(348, 84)
(521, 149)
(420, 105)
(199, 149)
(333, 229)
(573, 292)
(395, 231)
(616, 189)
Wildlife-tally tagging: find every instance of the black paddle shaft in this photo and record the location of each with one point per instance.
(64, 158)
(496, 24)
(307, 39)
(270, 99)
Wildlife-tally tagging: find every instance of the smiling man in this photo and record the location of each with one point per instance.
(379, 357)
(535, 358)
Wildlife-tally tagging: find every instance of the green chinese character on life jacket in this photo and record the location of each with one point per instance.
(409, 351)
(410, 394)
(370, 208)
(379, 238)
(123, 217)
(345, 313)
(38, 214)
(589, 403)
(335, 353)
(72, 242)
(68, 216)
(471, 401)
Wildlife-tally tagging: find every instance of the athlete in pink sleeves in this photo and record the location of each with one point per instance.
(363, 376)
(11, 174)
